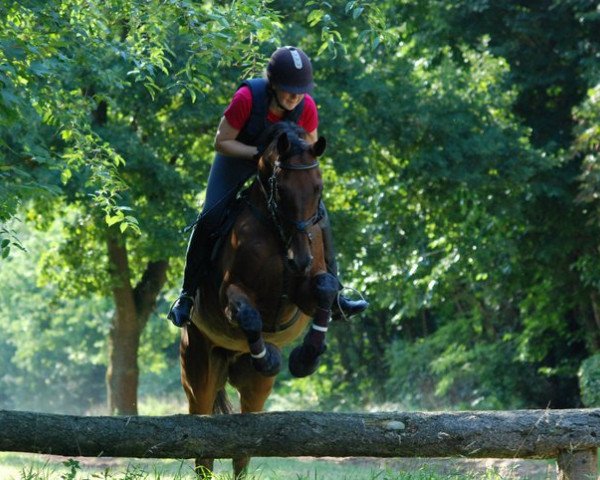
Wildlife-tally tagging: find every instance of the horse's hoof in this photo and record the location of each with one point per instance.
(304, 360)
(270, 364)
(345, 308)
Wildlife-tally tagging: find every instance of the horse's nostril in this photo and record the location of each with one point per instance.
(299, 266)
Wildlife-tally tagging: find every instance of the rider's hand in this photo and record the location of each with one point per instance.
(260, 149)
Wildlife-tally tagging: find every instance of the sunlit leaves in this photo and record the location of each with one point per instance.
(62, 60)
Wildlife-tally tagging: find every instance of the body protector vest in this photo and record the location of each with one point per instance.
(257, 124)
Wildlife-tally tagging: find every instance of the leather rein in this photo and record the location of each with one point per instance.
(301, 226)
(270, 194)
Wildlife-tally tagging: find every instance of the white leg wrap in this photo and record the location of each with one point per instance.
(319, 328)
(259, 355)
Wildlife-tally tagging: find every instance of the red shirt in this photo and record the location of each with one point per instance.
(238, 111)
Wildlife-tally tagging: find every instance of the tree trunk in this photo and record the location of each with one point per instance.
(510, 434)
(123, 340)
(123, 372)
(133, 307)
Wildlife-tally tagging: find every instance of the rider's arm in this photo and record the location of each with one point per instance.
(312, 137)
(226, 143)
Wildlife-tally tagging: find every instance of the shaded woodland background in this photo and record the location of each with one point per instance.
(462, 177)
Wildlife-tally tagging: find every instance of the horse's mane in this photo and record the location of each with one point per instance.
(296, 136)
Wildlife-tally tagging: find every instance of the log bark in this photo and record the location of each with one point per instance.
(511, 434)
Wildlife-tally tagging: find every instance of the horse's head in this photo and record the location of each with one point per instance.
(291, 179)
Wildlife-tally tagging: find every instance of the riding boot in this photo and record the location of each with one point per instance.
(196, 260)
(343, 307)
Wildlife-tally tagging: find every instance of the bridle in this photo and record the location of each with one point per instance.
(280, 220)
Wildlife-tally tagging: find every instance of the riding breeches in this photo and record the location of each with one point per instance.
(227, 175)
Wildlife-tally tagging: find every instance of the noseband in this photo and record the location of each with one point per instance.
(300, 226)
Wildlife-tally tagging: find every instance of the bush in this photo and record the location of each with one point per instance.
(589, 381)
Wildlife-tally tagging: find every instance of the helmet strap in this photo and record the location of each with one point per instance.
(276, 96)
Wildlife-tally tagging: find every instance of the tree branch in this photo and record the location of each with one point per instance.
(148, 288)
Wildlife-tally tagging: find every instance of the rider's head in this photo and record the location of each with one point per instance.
(290, 70)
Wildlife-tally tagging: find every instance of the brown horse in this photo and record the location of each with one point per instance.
(269, 281)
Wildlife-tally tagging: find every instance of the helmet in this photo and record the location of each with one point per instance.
(290, 69)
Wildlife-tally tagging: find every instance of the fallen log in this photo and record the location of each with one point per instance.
(478, 434)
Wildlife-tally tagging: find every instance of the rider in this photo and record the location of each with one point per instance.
(283, 95)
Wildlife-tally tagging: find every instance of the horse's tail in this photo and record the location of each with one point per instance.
(222, 403)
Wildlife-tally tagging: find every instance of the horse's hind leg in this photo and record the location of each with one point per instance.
(254, 389)
(203, 375)
(266, 357)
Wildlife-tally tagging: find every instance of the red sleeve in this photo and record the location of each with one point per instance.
(309, 119)
(238, 111)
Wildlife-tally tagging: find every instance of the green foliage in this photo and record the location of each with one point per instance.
(53, 352)
(587, 146)
(138, 65)
(49, 345)
(453, 208)
(461, 176)
(73, 467)
(589, 381)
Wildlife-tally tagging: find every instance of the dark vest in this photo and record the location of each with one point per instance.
(257, 124)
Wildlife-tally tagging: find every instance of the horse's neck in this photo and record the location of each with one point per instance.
(278, 292)
(258, 198)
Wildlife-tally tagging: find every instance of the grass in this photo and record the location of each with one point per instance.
(39, 467)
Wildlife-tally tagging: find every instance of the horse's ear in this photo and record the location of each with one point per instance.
(319, 147)
(283, 144)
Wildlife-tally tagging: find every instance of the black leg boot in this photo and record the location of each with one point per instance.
(343, 307)
(196, 260)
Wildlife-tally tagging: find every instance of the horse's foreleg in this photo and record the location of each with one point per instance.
(305, 359)
(266, 357)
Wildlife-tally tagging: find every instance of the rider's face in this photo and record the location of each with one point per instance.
(288, 99)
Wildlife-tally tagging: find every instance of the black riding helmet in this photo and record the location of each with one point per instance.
(290, 69)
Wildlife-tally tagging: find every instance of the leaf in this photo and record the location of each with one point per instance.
(111, 220)
(322, 48)
(315, 17)
(66, 175)
(65, 134)
(192, 93)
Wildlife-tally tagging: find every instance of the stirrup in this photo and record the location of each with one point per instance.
(339, 314)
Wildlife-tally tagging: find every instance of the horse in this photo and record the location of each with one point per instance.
(268, 284)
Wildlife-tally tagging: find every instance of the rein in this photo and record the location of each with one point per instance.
(301, 226)
(271, 198)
